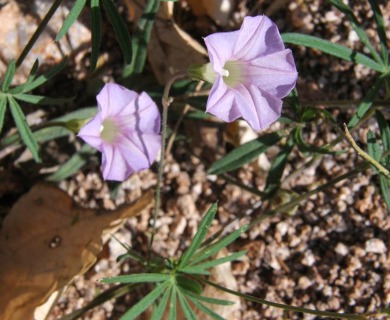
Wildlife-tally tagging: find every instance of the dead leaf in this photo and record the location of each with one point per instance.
(45, 241)
(170, 48)
(218, 10)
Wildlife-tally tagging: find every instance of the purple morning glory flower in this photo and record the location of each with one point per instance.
(253, 72)
(125, 130)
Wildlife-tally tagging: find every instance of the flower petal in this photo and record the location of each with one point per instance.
(90, 132)
(220, 48)
(258, 108)
(114, 165)
(258, 36)
(221, 102)
(275, 73)
(113, 98)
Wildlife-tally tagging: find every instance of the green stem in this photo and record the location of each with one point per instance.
(283, 306)
(38, 32)
(166, 101)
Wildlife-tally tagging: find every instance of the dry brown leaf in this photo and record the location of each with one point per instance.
(170, 48)
(218, 10)
(45, 241)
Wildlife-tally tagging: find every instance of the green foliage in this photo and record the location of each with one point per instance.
(175, 281)
(71, 18)
(244, 153)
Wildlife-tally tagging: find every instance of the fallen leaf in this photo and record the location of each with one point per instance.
(171, 49)
(45, 241)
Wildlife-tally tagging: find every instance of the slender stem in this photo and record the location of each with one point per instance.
(283, 306)
(38, 32)
(166, 101)
(364, 155)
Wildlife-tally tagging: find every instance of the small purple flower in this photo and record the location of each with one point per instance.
(253, 72)
(125, 130)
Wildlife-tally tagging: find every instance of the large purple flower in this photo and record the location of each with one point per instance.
(253, 71)
(125, 130)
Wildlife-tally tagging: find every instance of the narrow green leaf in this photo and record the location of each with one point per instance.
(194, 270)
(373, 148)
(41, 100)
(219, 302)
(188, 284)
(199, 236)
(304, 147)
(366, 102)
(215, 247)
(33, 71)
(381, 30)
(173, 304)
(158, 311)
(332, 49)
(28, 86)
(72, 165)
(96, 18)
(205, 309)
(23, 128)
(141, 39)
(358, 29)
(71, 18)
(145, 302)
(120, 29)
(244, 153)
(3, 107)
(277, 167)
(9, 74)
(212, 263)
(385, 134)
(384, 185)
(137, 278)
(187, 311)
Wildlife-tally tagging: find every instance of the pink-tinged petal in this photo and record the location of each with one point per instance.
(135, 154)
(113, 98)
(149, 144)
(275, 73)
(90, 132)
(221, 102)
(220, 48)
(258, 36)
(258, 108)
(114, 165)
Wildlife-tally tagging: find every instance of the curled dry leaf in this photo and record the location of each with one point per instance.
(45, 241)
(170, 48)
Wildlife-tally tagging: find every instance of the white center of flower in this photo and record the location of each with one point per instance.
(225, 73)
(232, 73)
(108, 130)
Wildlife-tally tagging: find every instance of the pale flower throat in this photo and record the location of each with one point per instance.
(232, 73)
(108, 130)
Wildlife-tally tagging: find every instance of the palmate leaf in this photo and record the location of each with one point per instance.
(332, 49)
(358, 29)
(194, 269)
(145, 302)
(381, 30)
(384, 185)
(141, 39)
(385, 134)
(23, 128)
(28, 86)
(137, 278)
(3, 107)
(373, 148)
(158, 309)
(212, 249)
(72, 165)
(275, 173)
(188, 284)
(199, 236)
(204, 309)
(120, 29)
(173, 304)
(366, 102)
(187, 311)
(216, 301)
(41, 100)
(9, 74)
(96, 18)
(71, 18)
(244, 153)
